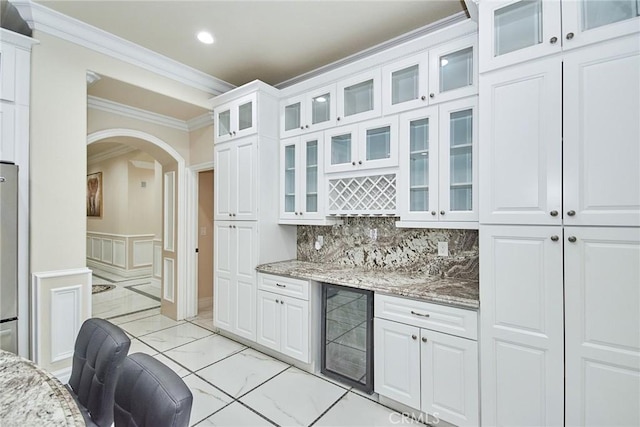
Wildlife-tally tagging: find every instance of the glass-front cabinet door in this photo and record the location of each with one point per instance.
(404, 84)
(359, 97)
(590, 21)
(310, 112)
(378, 143)
(236, 119)
(341, 149)
(453, 70)
(458, 198)
(517, 31)
(300, 178)
(418, 197)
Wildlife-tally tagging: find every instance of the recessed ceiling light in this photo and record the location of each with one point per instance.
(320, 99)
(205, 37)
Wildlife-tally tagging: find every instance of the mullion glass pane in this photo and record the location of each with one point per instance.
(405, 84)
(419, 165)
(517, 26)
(245, 116)
(321, 108)
(378, 143)
(224, 123)
(358, 98)
(312, 177)
(596, 13)
(341, 149)
(292, 116)
(456, 70)
(460, 160)
(289, 178)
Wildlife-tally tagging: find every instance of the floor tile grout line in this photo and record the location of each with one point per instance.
(180, 322)
(264, 382)
(133, 312)
(329, 408)
(258, 413)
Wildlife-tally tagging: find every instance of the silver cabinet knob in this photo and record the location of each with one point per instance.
(229, 213)
(301, 127)
(553, 40)
(554, 238)
(338, 119)
(234, 133)
(301, 213)
(553, 213)
(571, 213)
(570, 36)
(433, 213)
(424, 339)
(432, 95)
(413, 337)
(233, 226)
(229, 225)
(296, 213)
(277, 301)
(423, 98)
(306, 126)
(572, 239)
(234, 214)
(442, 212)
(281, 302)
(353, 163)
(359, 162)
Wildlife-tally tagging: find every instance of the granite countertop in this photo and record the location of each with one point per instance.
(456, 292)
(29, 395)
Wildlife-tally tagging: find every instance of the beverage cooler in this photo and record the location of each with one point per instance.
(9, 257)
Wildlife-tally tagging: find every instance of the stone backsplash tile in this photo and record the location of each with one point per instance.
(405, 249)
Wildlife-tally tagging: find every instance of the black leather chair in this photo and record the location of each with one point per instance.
(150, 394)
(99, 351)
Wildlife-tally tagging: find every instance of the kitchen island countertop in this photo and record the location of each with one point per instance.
(455, 292)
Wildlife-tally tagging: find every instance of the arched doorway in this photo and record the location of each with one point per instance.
(178, 291)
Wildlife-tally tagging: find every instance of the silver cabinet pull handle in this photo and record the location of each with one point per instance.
(419, 314)
(281, 286)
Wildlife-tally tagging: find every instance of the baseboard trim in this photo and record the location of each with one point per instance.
(137, 272)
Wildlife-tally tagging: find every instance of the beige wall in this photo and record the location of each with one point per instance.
(201, 144)
(128, 208)
(58, 143)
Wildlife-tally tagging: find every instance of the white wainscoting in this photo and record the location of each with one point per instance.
(61, 301)
(125, 255)
(168, 282)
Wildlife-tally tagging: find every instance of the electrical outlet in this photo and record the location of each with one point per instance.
(373, 233)
(443, 248)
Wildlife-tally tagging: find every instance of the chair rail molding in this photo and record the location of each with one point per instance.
(49, 21)
(185, 276)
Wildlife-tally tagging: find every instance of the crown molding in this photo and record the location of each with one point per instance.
(17, 39)
(135, 113)
(200, 122)
(49, 21)
(384, 46)
(109, 154)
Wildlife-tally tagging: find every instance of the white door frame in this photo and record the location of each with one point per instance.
(186, 288)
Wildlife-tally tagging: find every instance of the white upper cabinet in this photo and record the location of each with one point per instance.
(404, 84)
(601, 107)
(521, 159)
(236, 119)
(446, 72)
(371, 144)
(301, 179)
(438, 164)
(359, 97)
(516, 31)
(453, 70)
(310, 112)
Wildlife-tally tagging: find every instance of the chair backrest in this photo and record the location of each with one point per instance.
(150, 394)
(100, 349)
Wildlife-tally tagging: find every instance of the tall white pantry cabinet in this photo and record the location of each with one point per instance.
(560, 212)
(246, 230)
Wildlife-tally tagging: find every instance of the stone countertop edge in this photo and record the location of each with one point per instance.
(459, 293)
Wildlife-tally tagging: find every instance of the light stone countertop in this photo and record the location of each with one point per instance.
(30, 396)
(455, 292)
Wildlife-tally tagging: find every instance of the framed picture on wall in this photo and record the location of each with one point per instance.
(94, 195)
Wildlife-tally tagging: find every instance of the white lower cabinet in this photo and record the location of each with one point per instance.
(283, 320)
(434, 372)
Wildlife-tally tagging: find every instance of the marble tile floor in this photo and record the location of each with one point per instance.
(234, 385)
(129, 295)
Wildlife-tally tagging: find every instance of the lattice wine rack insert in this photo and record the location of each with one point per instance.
(375, 194)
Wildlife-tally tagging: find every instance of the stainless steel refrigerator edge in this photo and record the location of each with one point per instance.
(9, 257)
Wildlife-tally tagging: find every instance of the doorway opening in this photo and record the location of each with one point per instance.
(205, 248)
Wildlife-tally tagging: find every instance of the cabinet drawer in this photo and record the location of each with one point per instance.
(450, 320)
(284, 286)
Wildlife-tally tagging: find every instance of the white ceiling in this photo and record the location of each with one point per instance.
(273, 41)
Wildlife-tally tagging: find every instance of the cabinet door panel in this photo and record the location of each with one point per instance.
(397, 362)
(521, 325)
(224, 188)
(521, 159)
(517, 31)
(295, 328)
(453, 70)
(601, 134)
(245, 308)
(223, 268)
(289, 186)
(245, 175)
(404, 84)
(223, 299)
(311, 175)
(450, 377)
(244, 116)
(268, 320)
(602, 325)
(596, 21)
